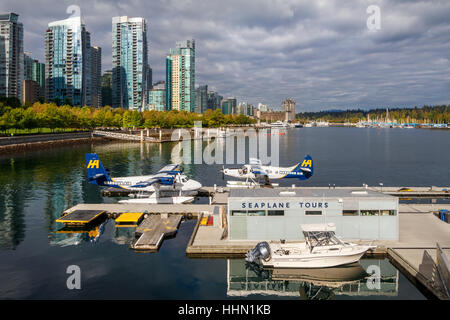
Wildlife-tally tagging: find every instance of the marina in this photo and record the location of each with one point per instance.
(200, 241)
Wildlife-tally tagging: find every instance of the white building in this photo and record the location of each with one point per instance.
(274, 214)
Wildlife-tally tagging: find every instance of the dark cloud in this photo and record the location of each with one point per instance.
(320, 53)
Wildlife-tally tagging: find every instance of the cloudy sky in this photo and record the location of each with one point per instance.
(320, 53)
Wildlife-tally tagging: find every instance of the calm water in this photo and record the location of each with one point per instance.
(37, 186)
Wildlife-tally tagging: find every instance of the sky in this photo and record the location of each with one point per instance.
(324, 54)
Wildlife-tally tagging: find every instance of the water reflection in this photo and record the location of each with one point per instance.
(245, 279)
(73, 236)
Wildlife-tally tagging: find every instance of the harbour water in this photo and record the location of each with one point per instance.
(35, 187)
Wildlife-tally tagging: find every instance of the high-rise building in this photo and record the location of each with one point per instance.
(229, 106)
(214, 100)
(107, 88)
(201, 99)
(96, 76)
(180, 77)
(289, 109)
(11, 56)
(130, 63)
(67, 62)
(34, 79)
(157, 97)
(245, 108)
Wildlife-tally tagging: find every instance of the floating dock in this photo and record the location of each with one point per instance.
(80, 217)
(129, 219)
(154, 229)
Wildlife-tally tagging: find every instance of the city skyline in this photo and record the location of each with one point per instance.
(320, 54)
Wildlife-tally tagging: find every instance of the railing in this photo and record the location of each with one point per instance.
(443, 267)
(122, 136)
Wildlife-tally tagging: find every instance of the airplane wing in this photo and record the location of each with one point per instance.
(255, 165)
(171, 169)
(257, 170)
(165, 176)
(156, 179)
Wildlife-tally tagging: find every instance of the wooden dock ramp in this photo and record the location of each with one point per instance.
(154, 229)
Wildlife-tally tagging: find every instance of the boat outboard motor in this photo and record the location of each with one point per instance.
(260, 251)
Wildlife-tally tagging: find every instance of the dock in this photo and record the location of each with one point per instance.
(219, 194)
(154, 229)
(81, 217)
(414, 253)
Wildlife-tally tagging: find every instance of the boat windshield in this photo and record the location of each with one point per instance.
(321, 238)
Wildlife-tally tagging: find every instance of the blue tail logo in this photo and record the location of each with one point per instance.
(306, 167)
(96, 172)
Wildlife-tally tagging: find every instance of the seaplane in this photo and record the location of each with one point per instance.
(254, 172)
(169, 179)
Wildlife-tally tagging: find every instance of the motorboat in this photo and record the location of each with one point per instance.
(321, 249)
(279, 124)
(322, 124)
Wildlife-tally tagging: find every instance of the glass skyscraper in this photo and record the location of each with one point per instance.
(11, 56)
(67, 67)
(202, 99)
(34, 79)
(180, 77)
(157, 98)
(96, 76)
(130, 64)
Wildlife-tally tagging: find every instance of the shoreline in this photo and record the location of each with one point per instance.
(43, 145)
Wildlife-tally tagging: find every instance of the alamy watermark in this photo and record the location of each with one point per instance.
(74, 280)
(374, 20)
(374, 281)
(226, 146)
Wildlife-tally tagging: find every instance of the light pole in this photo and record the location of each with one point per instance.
(381, 186)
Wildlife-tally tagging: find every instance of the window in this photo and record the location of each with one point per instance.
(313, 213)
(258, 213)
(388, 212)
(275, 213)
(350, 213)
(370, 212)
(237, 213)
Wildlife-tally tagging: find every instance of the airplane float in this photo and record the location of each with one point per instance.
(255, 171)
(169, 178)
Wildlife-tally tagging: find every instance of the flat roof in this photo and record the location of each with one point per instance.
(307, 193)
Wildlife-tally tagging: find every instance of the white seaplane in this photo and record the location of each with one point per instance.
(169, 178)
(255, 171)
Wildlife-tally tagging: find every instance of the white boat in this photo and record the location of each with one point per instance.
(321, 249)
(153, 199)
(279, 124)
(308, 125)
(322, 124)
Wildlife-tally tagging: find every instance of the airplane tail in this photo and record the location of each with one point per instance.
(97, 174)
(306, 167)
